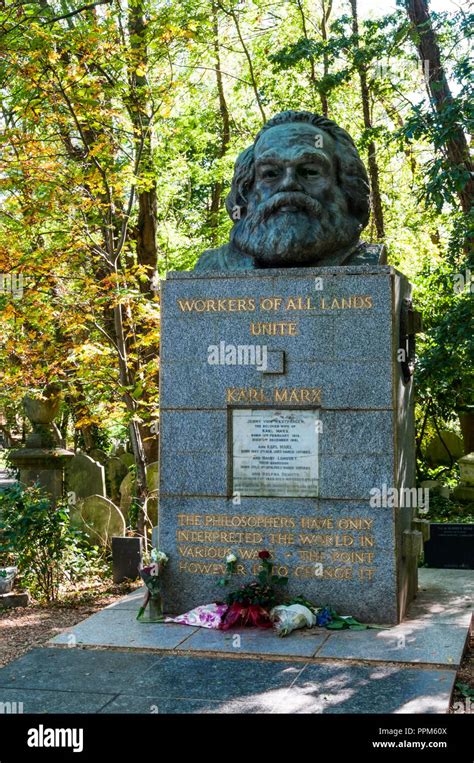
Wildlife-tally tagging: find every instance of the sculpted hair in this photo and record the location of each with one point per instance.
(351, 172)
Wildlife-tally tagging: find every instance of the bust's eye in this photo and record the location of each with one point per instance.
(269, 173)
(309, 172)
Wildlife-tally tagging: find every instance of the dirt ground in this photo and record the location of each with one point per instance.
(24, 628)
(463, 696)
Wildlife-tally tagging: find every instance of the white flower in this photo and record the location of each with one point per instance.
(158, 556)
(231, 558)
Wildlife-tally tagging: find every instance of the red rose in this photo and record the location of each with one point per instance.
(264, 554)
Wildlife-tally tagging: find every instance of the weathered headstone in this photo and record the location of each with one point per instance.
(85, 477)
(465, 490)
(128, 491)
(101, 520)
(116, 471)
(444, 448)
(127, 459)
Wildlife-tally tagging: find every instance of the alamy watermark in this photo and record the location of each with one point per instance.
(390, 497)
(401, 68)
(11, 708)
(11, 283)
(223, 354)
(463, 282)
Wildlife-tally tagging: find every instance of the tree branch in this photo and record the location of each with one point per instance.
(78, 10)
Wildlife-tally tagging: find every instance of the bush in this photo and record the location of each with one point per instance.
(38, 538)
(448, 510)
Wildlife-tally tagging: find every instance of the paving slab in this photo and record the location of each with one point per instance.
(414, 641)
(453, 610)
(445, 582)
(51, 701)
(303, 643)
(119, 627)
(215, 679)
(339, 688)
(137, 683)
(75, 670)
(132, 601)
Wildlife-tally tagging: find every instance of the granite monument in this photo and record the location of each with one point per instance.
(287, 392)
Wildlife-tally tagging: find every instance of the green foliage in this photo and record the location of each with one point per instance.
(97, 114)
(465, 689)
(39, 539)
(264, 590)
(447, 510)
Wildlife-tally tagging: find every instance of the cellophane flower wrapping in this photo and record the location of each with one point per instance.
(151, 576)
(205, 616)
(291, 617)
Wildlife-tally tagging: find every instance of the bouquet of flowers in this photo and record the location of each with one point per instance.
(151, 575)
(250, 604)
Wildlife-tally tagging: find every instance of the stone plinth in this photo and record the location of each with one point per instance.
(465, 490)
(44, 466)
(283, 449)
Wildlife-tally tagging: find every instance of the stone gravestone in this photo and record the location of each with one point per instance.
(85, 477)
(101, 520)
(116, 472)
(286, 405)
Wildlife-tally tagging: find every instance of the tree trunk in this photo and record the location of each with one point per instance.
(225, 135)
(140, 113)
(377, 209)
(326, 13)
(441, 98)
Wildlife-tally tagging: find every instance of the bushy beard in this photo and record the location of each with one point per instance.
(276, 237)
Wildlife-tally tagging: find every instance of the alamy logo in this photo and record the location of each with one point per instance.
(223, 354)
(46, 737)
(11, 283)
(11, 708)
(392, 497)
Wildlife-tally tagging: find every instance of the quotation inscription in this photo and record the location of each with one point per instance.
(273, 304)
(327, 548)
(265, 305)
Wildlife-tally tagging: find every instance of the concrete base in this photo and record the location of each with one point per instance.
(434, 633)
(129, 667)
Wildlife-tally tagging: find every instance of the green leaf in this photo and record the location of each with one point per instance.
(335, 625)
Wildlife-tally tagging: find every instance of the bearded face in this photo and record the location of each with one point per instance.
(296, 212)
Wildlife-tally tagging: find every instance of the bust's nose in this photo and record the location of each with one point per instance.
(290, 180)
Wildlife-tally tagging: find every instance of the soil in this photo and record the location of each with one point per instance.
(462, 700)
(25, 628)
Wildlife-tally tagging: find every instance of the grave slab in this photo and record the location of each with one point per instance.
(257, 641)
(137, 683)
(410, 642)
(53, 701)
(74, 670)
(119, 627)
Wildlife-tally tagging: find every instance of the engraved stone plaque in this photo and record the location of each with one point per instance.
(275, 452)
